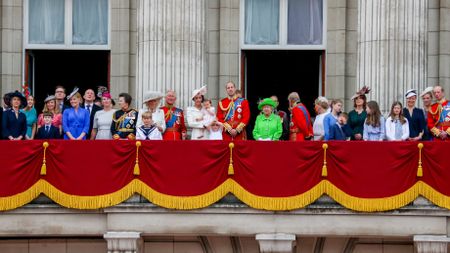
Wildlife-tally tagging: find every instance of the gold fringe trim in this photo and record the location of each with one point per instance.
(371, 204)
(229, 186)
(20, 199)
(434, 196)
(88, 202)
(277, 203)
(183, 202)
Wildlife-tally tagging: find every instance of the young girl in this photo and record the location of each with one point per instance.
(374, 124)
(331, 118)
(209, 112)
(148, 131)
(397, 127)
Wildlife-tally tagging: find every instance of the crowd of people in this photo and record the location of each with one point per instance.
(87, 119)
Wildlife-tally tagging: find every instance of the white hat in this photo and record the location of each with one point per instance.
(48, 98)
(201, 91)
(75, 90)
(427, 90)
(411, 93)
(152, 95)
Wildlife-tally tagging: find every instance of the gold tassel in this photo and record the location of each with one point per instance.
(44, 165)
(324, 168)
(230, 166)
(136, 170)
(419, 168)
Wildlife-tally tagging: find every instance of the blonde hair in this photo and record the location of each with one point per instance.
(55, 111)
(146, 115)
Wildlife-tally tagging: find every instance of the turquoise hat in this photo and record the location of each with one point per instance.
(267, 101)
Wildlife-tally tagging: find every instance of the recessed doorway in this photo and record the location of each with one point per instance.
(46, 69)
(280, 72)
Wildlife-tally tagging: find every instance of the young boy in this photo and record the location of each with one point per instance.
(215, 130)
(341, 131)
(48, 131)
(148, 131)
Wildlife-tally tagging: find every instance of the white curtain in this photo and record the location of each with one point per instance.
(262, 22)
(305, 22)
(46, 22)
(90, 22)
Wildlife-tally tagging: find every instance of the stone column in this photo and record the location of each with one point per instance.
(171, 47)
(431, 244)
(276, 243)
(124, 242)
(392, 48)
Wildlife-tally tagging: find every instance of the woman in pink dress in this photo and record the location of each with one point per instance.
(50, 106)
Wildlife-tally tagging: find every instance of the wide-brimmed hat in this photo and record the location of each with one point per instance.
(75, 90)
(411, 93)
(48, 98)
(23, 100)
(362, 92)
(427, 90)
(266, 101)
(201, 91)
(152, 95)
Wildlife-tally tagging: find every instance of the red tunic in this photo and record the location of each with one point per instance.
(300, 127)
(234, 114)
(438, 119)
(175, 126)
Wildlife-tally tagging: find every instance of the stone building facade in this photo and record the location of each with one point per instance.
(389, 45)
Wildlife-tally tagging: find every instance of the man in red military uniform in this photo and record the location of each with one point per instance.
(439, 116)
(300, 126)
(175, 127)
(234, 113)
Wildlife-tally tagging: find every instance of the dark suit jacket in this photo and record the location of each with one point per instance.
(340, 133)
(12, 126)
(95, 108)
(53, 133)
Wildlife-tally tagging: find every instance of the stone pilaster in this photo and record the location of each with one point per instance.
(171, 47)
(392, 48)
(431, 244)
(276, 243)
(124, 242)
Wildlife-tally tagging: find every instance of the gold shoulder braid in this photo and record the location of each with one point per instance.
(224, 109)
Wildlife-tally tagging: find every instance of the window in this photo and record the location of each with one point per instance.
(77, 24)
(283, 24)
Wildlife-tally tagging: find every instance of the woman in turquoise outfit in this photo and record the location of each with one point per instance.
(268, 126)
(31, 115)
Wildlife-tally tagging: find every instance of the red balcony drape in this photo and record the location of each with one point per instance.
(362, 176)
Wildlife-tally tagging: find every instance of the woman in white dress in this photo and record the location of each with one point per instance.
(101, 129)
(151, 102)
(195, 117)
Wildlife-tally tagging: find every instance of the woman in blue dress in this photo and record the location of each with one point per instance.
(14, 122)
(75, 119)
(374, 126)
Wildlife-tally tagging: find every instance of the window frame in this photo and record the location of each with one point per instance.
(68, 31)
(283, 31)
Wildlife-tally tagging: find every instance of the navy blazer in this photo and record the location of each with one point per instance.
(340, 133)
(94, 109)
(12, 126)
(53, 133)
(416, 121)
